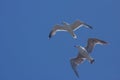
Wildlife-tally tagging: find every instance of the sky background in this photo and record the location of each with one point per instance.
(26, 53)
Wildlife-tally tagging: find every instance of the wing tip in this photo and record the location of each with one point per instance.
(87, 25)
(105, 42)
(74, 67)
(50, 35)
(101, 41)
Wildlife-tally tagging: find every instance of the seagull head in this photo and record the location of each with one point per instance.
(76, 46)
(79, 47)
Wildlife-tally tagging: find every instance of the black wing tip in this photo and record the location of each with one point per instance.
(74, 67)
(77, 76)
(88, 25)
(104, 42)
(50, 35)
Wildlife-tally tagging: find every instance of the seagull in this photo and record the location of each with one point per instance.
(69, 28)
(84, 53)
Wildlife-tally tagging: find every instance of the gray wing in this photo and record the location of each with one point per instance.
(77, 24)
(74, 63)
(55, 29)
(92, 42)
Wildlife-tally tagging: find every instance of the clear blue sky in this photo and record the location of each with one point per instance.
(27, 54)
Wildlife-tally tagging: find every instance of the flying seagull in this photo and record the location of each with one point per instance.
(84, 52)
(69, 28)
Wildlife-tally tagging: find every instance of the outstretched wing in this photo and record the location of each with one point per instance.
(92, 42)
(77, 24)
(74, 63)
(55, 29)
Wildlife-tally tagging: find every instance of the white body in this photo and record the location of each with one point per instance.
(84, 54)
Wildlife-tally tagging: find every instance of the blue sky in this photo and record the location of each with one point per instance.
(27, 54)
